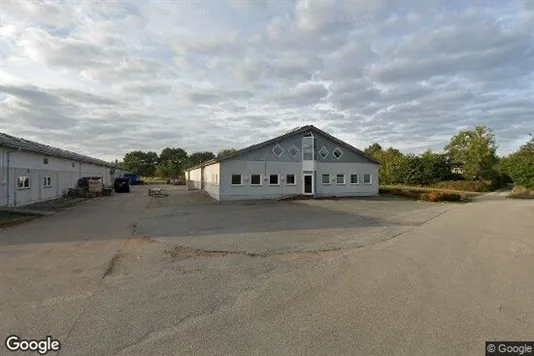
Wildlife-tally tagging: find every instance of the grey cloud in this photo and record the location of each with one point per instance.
(303, 94)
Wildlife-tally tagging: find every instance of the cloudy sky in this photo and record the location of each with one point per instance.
(103, 78)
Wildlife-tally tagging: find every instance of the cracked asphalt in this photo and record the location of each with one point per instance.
(182, 275)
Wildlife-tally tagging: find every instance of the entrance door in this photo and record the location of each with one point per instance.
(308, 184)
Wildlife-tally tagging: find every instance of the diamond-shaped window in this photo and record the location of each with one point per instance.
(278, 150)
(293, 151)
(337, 152)
(323, 152)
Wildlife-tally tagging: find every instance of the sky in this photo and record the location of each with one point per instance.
(103, 78)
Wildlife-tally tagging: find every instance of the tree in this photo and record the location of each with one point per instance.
(473, 152)
(172, 162)
(199, 157)
(142, 163)
(226, 152)
(520, 165)
(373, 150)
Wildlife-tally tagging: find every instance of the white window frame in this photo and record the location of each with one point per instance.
(344, 180)
(357, 179)
(46, 160)
(370, 179)
(73, 165)
(47, 182)
(337, 149)
(322, 181)
(232, 180)
(278, 180)
(256, 185)
(23, 185)
(281, 153)
(312, 148)
(327, 152)
(294, 179)
(291, 148)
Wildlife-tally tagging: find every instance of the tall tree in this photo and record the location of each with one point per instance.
(226, 152)
(373, 150)
(172, 162)
(473, 151)
(520, 165)
(142, 163)
(199, 157)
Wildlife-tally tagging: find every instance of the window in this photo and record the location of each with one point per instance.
(255, 179)
(273, 179)
(278, 150)
(307, 148)
(337, 153)
(325, 178)
(366, 179)
(237, 179)
(47, 182)
(293, 151)
(340, 179)
(354, 179)
(290, 179)
(323, 152)
(45, 160)
(73, 164)
(23, 182)
(216, 179)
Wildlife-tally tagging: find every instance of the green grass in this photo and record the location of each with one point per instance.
(10, 219)
(154, 180)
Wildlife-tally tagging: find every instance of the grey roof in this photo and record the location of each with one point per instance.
(32, 146)
(295, 131)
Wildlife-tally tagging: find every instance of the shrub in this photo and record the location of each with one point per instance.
(441, 196)
(522, 193)
(433, 196)
(465, 185)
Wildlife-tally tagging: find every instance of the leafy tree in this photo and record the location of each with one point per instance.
(199, 157)
(520, 165)
(373, 150)
(226, 152)
(473, 151)
(142, 163)
(172, 162)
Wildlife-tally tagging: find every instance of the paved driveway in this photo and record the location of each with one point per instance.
(440, 279)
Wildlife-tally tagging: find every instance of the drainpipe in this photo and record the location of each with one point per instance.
(7, 175)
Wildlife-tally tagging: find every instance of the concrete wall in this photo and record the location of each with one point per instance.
(63, 173)
(211, 180)
(346, 189)
(264, 191)
(195, 177)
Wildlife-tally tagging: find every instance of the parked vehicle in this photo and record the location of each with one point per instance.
(134, 178)
(122, 185)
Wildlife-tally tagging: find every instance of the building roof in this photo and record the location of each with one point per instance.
(296, 131)
(32, 146)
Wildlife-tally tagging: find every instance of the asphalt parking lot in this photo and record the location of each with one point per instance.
(183, 275)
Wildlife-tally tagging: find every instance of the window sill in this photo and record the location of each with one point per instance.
(274, 185)
(24, 188)
(354, 183)
(340, 184)
(368, 183)
(291, 184)
(255, 185)
(325, 183)
(236, 185)
(47, 186)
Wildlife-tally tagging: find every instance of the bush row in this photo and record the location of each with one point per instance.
(426, 196)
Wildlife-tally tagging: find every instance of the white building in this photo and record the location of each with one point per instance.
(305, 161)
(31, 172)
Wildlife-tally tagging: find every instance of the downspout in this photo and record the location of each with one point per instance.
(7, 174)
